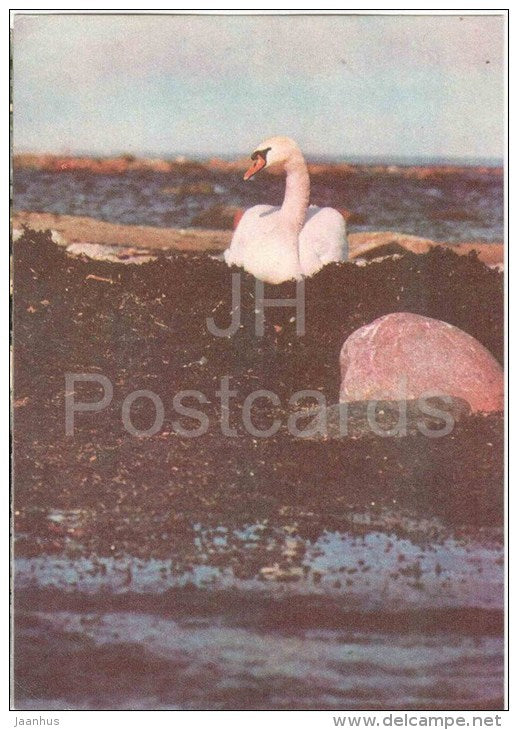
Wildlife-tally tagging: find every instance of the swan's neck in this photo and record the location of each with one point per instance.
(296, 197)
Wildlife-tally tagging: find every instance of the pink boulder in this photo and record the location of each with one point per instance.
(404, 356)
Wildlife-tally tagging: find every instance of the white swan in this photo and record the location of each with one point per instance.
(278, 244)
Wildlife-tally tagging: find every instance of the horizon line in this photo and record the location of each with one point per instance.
(312, 158)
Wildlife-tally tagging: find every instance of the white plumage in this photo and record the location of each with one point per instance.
(277, 244)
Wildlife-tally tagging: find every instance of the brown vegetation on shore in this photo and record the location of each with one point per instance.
(126, 163)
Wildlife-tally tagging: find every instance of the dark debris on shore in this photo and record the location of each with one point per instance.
(144, 327)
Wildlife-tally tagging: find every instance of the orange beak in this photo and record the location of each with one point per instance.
(259, 163)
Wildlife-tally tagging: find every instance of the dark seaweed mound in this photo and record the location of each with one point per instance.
(144, 327)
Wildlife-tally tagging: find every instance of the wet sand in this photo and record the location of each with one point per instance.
(218, 572)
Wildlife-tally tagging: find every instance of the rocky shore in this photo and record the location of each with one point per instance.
(126, 163)
(443, 203)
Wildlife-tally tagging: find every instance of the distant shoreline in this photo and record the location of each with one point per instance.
(121, 164)
(316, 159)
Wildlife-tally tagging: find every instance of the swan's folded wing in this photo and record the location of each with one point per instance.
(249, 231)
(322, 239)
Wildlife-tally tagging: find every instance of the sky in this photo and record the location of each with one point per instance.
(346, 86)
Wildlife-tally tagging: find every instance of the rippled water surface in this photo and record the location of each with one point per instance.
(388, 624)
(199, 664)
(465, 206)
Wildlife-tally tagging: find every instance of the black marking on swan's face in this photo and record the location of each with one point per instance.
(259, 159)
(260, 153)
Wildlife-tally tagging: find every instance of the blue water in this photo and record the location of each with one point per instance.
(206, 639)
(467, 206)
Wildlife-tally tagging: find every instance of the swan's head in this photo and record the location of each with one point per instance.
(273, 151)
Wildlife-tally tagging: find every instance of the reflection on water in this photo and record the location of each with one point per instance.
(368, 571)
(143, 661)
(371, 621)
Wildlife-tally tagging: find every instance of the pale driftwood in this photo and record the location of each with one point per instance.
(78, 229)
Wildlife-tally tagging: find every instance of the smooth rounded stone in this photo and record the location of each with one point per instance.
(433, 417)
(405, 356)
